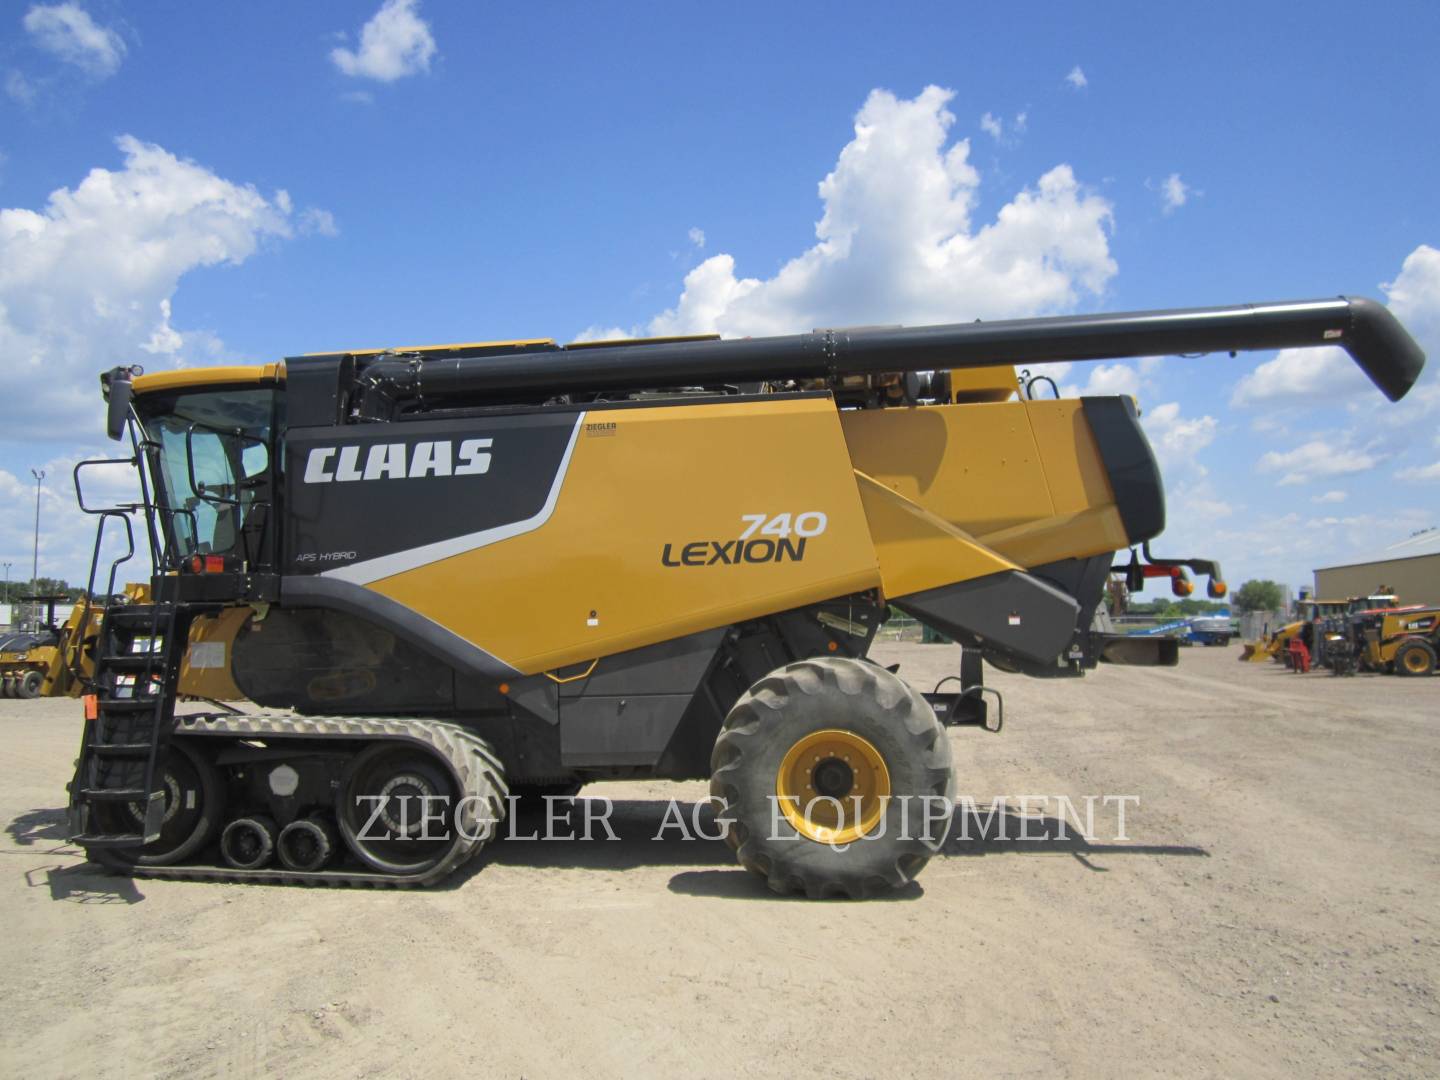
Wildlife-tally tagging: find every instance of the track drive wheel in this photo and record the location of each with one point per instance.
(832, 777)
(1415, 658)
(194, 803)
(402, 810)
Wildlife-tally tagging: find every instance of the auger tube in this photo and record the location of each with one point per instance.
(1364, 328)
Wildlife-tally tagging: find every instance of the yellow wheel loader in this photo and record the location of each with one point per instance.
(61, 659)
(46, 665)
(466, 571)
(1403, 642)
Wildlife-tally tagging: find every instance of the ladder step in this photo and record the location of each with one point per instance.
(128, 705)
(133, 661)
(130, 749)
(113, 839)
(115, 794)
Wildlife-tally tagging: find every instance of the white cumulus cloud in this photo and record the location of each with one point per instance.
(395, 42)
(1420, 472)
(992, 125)
(1336, 496)
(896, 241)
(68, 32)
(1320, 459)
(697, 236)
(86, 281)
(1077, 78)
(1178, 439)
(1174, 193)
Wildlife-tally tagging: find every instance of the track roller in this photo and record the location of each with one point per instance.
(248, 842)
(307, 844)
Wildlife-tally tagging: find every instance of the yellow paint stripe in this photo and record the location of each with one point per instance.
(183, 378)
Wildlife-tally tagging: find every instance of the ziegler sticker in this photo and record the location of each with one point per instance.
(790, 533)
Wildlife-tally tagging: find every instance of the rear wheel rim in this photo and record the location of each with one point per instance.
(1416, 661)
(833, 786)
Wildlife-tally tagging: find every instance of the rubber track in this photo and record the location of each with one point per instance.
(471, 760)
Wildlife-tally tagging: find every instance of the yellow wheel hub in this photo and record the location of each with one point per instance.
(833, 786)
(1416, 661)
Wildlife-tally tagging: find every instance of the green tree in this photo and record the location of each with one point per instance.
(1260, 595)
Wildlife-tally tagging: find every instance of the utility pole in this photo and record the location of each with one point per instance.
(39, 475)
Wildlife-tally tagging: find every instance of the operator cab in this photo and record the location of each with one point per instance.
(211, 475)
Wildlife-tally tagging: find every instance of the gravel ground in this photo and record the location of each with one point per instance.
(1269, 911)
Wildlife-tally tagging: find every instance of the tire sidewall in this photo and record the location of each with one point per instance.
(889, 716)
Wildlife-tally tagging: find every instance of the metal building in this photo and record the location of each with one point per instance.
(1410, 569)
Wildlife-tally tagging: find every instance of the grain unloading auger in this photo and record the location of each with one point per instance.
(477, 569)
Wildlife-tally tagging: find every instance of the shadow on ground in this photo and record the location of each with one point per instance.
(634, 833)
(38, 826)
(43, 832)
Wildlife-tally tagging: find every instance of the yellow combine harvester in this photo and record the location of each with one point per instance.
(469, 569)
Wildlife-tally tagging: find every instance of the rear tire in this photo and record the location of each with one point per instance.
(7, 686)
(1415, 658)
(806, 740)
(28, 685)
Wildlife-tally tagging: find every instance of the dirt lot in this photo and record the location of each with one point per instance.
(1271, 911)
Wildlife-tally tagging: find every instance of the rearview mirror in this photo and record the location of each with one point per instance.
(118, 382)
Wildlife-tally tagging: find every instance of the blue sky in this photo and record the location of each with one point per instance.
(281, 178)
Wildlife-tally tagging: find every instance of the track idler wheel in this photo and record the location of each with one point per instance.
(194, 801)
(306, 845)
(832, 777)
(248, 843)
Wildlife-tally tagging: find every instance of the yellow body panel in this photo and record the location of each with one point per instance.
(976, 466)
(206, 672)
(984, 384)
(212, 376)
(522, 343)
(590, 582)
(918, 550)
(981, 468)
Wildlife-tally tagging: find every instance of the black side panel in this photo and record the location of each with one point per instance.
(405, 624)
(362, 492)
(313, 389)
(669, 667)
(626, 712)
(608, 731)
(1083, 579)
(325, 661)
(1010, 611)
(1130, 463)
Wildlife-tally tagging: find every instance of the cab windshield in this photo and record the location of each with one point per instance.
(210, 460)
